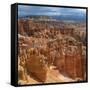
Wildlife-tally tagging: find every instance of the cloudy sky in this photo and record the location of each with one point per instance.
(24, 10)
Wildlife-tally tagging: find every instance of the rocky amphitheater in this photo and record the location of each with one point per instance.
(51, 51)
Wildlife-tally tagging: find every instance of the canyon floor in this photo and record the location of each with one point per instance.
(53, 76)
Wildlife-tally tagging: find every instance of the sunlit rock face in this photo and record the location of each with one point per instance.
(51, 51)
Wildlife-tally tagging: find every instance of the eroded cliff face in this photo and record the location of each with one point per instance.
(50, 51)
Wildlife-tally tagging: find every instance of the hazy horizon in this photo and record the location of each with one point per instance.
(61, 12)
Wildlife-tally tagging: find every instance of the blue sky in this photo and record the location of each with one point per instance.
(24, 10)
